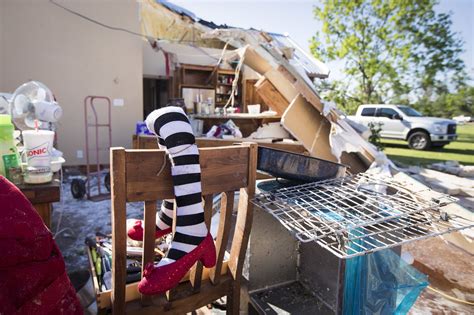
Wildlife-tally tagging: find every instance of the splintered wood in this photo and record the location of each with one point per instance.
(285, 91)
(305, 123)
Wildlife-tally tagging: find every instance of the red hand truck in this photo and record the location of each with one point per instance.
(80, 187)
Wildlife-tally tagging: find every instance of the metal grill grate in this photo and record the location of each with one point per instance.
(356, 215)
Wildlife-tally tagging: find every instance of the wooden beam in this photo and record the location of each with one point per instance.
(271, 96)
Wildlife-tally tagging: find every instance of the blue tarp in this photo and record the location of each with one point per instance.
(380, 283)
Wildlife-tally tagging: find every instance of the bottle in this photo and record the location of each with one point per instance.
(9, 158)
(210, 102)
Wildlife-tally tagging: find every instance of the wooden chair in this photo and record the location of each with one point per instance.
(138, 175)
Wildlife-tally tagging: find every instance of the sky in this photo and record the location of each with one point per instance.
(295, 17)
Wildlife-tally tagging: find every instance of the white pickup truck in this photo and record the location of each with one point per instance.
(405, 123)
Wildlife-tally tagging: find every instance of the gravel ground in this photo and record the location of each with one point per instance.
(74, 220)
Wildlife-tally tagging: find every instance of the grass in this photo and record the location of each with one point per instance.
(461, 150)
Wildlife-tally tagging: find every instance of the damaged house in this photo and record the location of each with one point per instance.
(299, 257)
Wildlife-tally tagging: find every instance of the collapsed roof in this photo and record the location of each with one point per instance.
(165, 20)
(286, 79)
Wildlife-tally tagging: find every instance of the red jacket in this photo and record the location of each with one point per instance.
(33, 277)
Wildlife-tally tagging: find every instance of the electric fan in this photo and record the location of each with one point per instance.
(33, 102)
(32, 106)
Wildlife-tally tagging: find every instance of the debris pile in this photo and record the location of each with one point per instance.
(453, 167)
(443, 182)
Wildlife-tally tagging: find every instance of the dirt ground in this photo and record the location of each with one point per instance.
(450, 270)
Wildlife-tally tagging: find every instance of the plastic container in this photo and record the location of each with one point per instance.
(253, 109)
(38, 148)
(9, 159)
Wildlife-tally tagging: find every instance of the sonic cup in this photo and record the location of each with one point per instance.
(38, 148)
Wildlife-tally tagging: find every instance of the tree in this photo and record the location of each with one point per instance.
(448, 104)
(392, 49)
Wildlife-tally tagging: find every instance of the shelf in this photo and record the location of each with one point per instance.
(198, 76)
(239, 116)
(197, 67)
(197, 86)
(229, 72)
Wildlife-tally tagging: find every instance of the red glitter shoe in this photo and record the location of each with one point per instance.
(161, 279)
(136, 232)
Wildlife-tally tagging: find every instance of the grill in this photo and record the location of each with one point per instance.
(451, 129)
(359, 214)
(303, 265)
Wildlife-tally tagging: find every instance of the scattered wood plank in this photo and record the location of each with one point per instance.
(271, 96)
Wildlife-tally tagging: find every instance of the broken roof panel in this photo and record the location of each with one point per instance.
(184, 12)
(327, 130)
(313, 67)
(177, 9)
(301, 60)
(163, 20)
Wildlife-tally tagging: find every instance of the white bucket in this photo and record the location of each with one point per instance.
(38, 148)
(254, 109)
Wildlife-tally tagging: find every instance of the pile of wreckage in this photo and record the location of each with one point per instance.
(369, 207)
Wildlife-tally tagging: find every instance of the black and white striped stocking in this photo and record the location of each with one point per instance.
(164, 219)
(172, 125)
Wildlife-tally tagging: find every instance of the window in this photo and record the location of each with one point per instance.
(386, 112)
(368, 111)
(409, 111)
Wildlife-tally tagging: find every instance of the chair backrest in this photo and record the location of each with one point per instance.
(145, 175)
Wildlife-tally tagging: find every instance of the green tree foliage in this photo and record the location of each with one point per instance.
(448, 104)
(393, 50)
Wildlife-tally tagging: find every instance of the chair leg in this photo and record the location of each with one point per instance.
(233, 300)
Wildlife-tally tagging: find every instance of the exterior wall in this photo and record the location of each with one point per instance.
(75, 58)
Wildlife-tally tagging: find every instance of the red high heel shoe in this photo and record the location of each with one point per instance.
(161, 279)
(136, 232)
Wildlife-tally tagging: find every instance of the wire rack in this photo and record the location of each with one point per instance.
(359, 214)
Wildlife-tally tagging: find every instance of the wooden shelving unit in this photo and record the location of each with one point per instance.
(200, 77)
(224, 87)
(206, 77)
